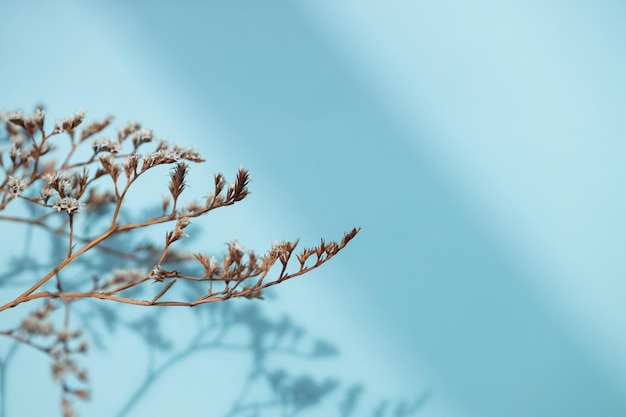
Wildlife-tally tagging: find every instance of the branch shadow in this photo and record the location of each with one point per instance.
(261, 337)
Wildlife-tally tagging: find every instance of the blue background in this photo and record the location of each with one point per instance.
(479, 145)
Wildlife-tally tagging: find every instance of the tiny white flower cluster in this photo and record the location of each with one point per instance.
(30, 123)
(69, 123)
(189, 154)
(34, 324)
(130, 164)
(159, 274)
(144, 135)
(105, 145)
(279, 246)
(65, 334)
(69, 204)
(62, 367)
(168, 156)
(130, 128)
(213, 264)
(35, 119)
(15, 116)
(15, 151)
(39, 115)
(179, 230)
(58, 180)
(45, 194)
(235, 246)
(16, 185)
(162, 156)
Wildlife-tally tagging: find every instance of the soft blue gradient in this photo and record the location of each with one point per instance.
(480, 146)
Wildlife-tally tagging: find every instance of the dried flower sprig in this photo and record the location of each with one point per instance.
(96, 187)
(70, 187)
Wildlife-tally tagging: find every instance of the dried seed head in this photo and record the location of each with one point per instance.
(192, 207)
(78, 118)
(179, 230)
(177, 182)
(235, 246)
(95, 127)
(159, 274)
(189, 154)
(16, 185)
(160, 157)
(40, 116)
(126, 131)
(36, 326)
(68, 124)
(142, 136)
(105, 145)
(15, 153)
(239, 190)
(211, 265)
(109, 166)
(45, 195)
(69, 204)
(59, 181)
(65, 334)
(35, 121)
(130, 165)
(62, 367)
(279, 246)
(17, 118)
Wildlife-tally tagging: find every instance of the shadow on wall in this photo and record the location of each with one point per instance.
(236, 327)
(457, 300)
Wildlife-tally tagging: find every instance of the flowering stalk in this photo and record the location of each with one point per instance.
(97, 186)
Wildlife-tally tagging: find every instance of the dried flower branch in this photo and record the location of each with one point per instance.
(62, 188)
(69, 192)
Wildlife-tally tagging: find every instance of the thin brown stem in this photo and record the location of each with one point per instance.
(163, 291)
(24, 296)
(69, 154)
(71, 237)
(17, 338)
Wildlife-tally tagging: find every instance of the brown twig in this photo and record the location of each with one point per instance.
(69, 188)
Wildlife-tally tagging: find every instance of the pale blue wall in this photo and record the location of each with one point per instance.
(480, 147)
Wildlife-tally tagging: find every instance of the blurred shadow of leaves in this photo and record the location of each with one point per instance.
(290, 393)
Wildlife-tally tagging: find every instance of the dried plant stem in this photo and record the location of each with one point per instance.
(30, 178)
(163, 291)
(25, 296)
(60, 231)
(24, 341)
(71, 237)
(69, 154)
